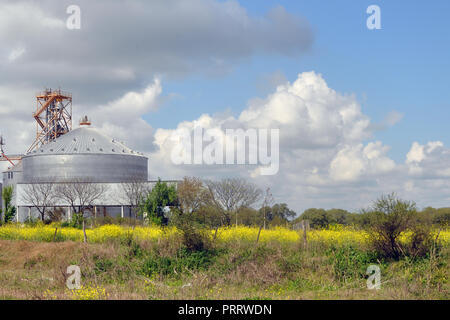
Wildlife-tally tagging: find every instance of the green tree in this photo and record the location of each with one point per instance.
(209, 216)
(250, 217)
(282, 211)
(278, 214)
(442, 217)
(191, 195)
(338, 216)
(389, 217)
(318, 218)
(161, 196)
(361, 219)
(10, 210)
(187, 215)
(439, 216)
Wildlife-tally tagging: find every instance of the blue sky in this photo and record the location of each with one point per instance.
(169, 61)
(401, 67)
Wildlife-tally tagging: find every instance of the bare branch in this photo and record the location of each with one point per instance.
(80, 194)
(40, 196)
(229, 195)
(133, 193)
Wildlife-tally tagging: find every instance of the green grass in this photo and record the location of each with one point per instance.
(129, 269)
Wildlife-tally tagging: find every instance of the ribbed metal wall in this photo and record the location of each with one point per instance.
(84, 154)
(88, 167)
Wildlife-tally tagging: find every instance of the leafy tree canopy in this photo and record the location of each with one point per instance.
(161, 196)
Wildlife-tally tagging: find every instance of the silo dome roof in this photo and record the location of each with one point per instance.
(84, 140)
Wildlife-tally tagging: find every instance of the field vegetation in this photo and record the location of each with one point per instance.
(213, 244)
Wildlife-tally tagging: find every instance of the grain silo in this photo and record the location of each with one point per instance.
(85, 154)
(82, 155)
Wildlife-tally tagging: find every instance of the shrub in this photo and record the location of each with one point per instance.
(421, 241)
(161, 196)
(75, 222)
(442, 217)
(32, 222)
(55, 215)
(107, 220)
(318, 218)
(350, 262)
(134, 248)
(183, 261)
(388, 219)
(102, 264)
(9, 210)
(195, 237)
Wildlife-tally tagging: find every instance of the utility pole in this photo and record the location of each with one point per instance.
(268, 201)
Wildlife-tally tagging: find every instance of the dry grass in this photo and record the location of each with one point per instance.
(36, 270)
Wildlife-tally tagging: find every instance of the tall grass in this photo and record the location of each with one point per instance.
(117, 265)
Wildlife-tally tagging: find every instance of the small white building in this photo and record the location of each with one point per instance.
(82, 156)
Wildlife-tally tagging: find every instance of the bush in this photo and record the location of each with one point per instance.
(195, 236)
(421, 241)
(9, 210)
(32, 222)
(184, 260)
(134, 248)
(388, 219)
(102, 264)
(75, 222)
(321, 218)
(161, 196)
(195, 239)
(55, 215)
(318, 218)
(350, 262)
(442, 217)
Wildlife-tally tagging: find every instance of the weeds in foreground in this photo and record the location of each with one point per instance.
(127, 266)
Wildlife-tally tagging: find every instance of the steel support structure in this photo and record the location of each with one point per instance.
(53, 116)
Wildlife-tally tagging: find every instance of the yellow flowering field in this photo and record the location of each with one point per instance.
(97, 235)
(338, 235)
(332, 235)
(89, 293)
(243, 233)
(342, 234)
(83, 293)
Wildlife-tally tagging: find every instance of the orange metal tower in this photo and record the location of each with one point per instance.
(53, 116)
(4, 157)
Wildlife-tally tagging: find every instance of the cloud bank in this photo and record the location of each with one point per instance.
(116, 65)
(327, 157)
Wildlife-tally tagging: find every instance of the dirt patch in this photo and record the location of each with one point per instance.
(26, 254)
(51, 259)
